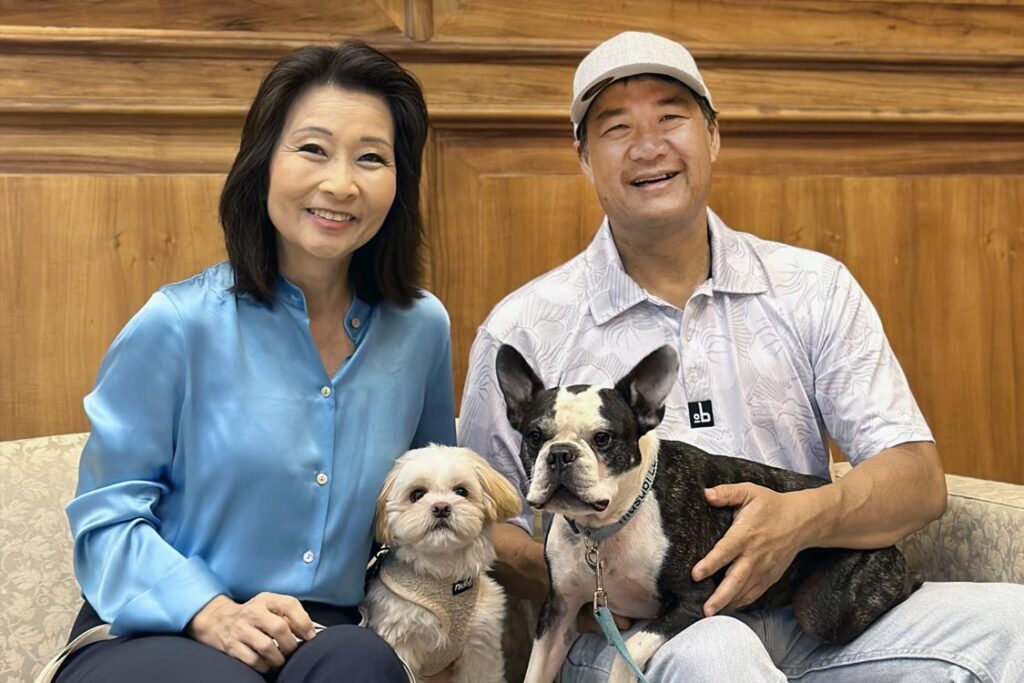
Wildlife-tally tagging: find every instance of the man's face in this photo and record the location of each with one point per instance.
(649, 154)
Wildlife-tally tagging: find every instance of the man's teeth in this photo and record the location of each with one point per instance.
(655, 179)
(331, 215)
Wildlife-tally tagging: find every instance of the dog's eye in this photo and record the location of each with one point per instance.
(417, 494)
(534, 437)
(602, 439)
(461, 491)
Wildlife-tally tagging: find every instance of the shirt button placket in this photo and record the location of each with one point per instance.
(321, 477)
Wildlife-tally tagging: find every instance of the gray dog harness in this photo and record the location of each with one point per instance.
(454, 604)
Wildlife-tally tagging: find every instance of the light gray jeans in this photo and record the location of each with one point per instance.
(943, 632)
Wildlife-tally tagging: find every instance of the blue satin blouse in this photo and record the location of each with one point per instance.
(223, 459)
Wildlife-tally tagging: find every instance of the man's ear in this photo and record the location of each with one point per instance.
(714, 140)
(518, 383)
(584, 157)
(647, 385)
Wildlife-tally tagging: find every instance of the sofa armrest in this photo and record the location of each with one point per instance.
(39, 595)
(978, 537)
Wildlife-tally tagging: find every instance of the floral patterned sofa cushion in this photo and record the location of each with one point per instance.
(39, 596)
(977, 539)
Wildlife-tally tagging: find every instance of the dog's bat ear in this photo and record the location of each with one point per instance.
(502, 499)
(381, 529)
(518, 382)
(648, 384)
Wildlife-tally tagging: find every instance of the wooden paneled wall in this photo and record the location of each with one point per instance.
(889, 134)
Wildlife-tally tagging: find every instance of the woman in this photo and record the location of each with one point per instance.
(244, 420)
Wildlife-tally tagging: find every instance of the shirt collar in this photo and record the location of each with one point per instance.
(357, 319)
(735, 268)
(611, 290)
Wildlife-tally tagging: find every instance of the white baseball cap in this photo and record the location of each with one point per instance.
(630, 54)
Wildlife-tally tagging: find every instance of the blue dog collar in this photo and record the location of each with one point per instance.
(601, 533)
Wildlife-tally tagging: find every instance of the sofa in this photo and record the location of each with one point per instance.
(978, 539)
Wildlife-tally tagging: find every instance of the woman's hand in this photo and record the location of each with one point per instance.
(260, 632)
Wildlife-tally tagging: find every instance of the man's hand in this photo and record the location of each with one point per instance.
(586, 622)
(765, 536)
(260, 632)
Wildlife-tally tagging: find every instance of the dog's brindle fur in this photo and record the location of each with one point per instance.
(835, 593)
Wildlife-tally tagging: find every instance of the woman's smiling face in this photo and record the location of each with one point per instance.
(332, 178)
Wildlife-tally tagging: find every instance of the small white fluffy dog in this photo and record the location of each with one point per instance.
(431, 599)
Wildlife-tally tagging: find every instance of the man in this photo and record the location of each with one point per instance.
(778, 347)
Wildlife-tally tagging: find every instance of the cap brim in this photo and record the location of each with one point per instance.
(581, 103)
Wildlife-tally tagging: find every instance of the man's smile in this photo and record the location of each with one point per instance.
(653, 179)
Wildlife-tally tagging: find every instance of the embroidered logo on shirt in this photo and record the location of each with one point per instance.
(462, 586)
(701, 414)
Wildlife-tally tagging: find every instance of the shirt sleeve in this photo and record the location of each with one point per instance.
(134, 578)
(437, 424)
(483, 425)
(864, 397)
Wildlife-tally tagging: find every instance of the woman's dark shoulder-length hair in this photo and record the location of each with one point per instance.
(385, 268)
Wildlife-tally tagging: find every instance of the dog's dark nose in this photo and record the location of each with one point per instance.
(442, 510)
(560, 457)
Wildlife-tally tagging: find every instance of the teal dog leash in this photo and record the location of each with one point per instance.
(603, 615)
(591, 539)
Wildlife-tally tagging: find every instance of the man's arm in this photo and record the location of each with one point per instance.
(880, 501)
(876, 504)
(866, 405)
(520, 566)
(484, 427)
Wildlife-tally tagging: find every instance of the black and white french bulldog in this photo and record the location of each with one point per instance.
(592, 455)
